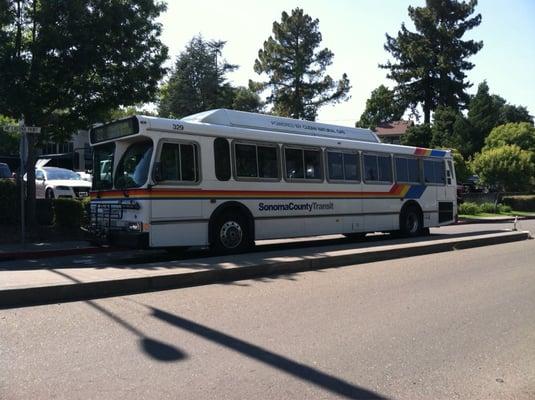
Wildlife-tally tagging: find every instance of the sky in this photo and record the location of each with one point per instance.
(354, 30)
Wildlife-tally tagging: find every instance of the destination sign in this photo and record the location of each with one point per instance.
(114, 130)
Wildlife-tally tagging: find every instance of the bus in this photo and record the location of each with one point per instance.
(225, 178)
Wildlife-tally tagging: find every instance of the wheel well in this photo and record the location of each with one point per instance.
(231, 206)
(411, 203)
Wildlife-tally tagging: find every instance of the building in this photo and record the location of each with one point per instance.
(391, 132)
(74, 154)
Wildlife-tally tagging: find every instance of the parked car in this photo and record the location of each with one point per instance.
(61, 183)
(5, 171)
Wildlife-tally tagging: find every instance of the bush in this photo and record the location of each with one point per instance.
(504, 209)
(44, 211)
(520, 203)
(9, 202)
(487, 208)
(469, 208)
(69, 213)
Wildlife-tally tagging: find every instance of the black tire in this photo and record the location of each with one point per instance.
(355, 236)
(49, 194)
(231, 234)
(411, 222)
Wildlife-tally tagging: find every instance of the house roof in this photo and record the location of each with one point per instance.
(395, 128)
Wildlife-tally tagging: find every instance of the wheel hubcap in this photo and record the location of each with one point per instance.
(231, 234)
(412, 223)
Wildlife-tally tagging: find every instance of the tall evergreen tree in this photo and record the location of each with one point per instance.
(483, 115)
(66, 63)
(382, 106)
(429, 64)
(198, 82)
(296, 68)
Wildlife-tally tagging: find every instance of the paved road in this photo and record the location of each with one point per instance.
(445, 326)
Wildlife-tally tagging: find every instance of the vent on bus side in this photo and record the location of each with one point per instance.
(445, 211)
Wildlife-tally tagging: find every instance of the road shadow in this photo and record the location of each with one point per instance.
(298, 370)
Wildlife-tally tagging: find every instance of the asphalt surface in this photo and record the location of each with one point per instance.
(444, 326)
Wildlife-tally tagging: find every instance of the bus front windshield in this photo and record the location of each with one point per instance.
(133, 169)
(103, 166)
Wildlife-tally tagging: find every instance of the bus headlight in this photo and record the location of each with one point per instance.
(134, 226)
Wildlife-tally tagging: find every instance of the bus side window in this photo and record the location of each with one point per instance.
(222, 159)
(434, 172)
(178, 162)
(377, 168)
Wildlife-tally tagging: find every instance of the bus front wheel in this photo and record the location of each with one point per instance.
(411, 222)
(231, 234)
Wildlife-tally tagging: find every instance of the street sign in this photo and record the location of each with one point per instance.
(31, 129)
(17, 128)
(10, 128)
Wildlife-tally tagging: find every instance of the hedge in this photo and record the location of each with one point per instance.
(520, 203)
(69, 213)
(44, 211)
(9, 202)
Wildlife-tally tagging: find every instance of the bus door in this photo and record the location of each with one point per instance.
(451, 182)
(175, 211)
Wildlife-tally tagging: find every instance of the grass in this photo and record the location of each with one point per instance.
(492, 215)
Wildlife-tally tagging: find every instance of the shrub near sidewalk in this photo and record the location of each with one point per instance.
(9, 202)
(69, 213)
(521, 203)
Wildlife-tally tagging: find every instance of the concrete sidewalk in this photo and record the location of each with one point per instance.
(20, 286)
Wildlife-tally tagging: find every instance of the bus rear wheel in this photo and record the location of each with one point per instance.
(411, 222)
(231, 234)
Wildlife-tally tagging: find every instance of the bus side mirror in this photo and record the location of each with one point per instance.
(157, 172)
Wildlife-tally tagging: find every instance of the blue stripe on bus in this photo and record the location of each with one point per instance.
(415, 192)
(438, 153)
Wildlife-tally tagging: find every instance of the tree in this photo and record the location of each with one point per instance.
(382, 106)
(444, 124)
(198, 82)
(508, 167)
(429, 64)
(511, 113)
(296, 68)
(462, 167)
(9, 140)
(483, 115)
(521, 134)
(418, 135)
(66, 63)
(246, 100)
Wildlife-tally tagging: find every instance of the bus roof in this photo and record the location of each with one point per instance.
(266, 122)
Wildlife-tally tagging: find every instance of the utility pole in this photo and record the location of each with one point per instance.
(23, 151)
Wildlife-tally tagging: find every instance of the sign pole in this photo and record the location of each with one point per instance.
(22, 149)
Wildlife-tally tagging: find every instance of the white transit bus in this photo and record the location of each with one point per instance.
(226, 178)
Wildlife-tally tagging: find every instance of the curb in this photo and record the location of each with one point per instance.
(18, 255)
(491, 221)
(18, 297)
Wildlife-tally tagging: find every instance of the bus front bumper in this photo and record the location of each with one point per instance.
(121, 238)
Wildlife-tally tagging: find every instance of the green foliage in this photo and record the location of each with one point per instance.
(429, 64)
(520, 203)
(382, 106)
(9, 141)
(418, 135)
(487, 208)
(521, 134)
(468, 208)
(448, 128)
(296, 68)
(9, 202)
(508, 167)
(69, 213)
(44, 211)
(483, 114)
(123, 112)
(462, 167)
(510, 113)
(198, 81)
(504, 208)
(246, 100)
(66, 63)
